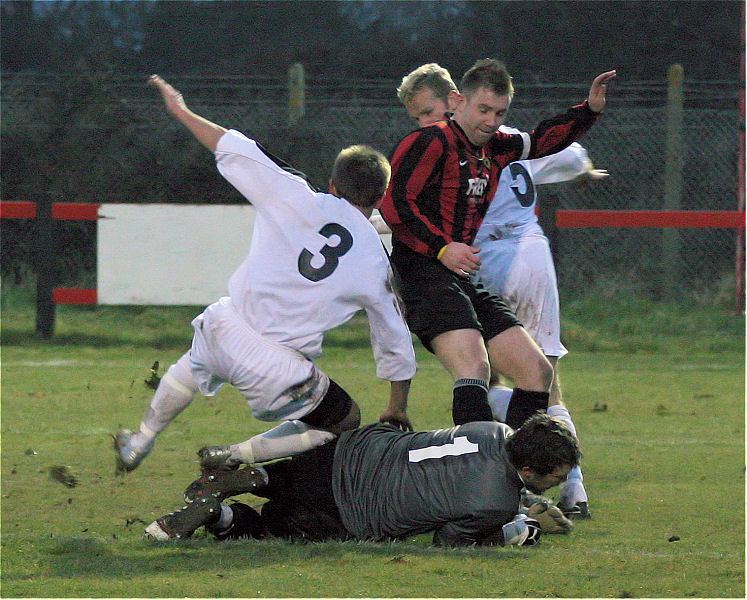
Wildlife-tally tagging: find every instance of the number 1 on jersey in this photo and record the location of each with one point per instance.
(460, 445)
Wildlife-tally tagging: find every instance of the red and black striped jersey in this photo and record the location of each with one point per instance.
(441, 183)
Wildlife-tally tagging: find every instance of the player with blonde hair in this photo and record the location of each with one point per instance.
(515, 259)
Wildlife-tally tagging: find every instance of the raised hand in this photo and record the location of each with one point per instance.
(171, 96)
(598, 91)
(206, 132)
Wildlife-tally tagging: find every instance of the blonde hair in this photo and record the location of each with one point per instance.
(430, 75)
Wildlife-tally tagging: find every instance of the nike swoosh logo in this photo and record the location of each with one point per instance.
(463, 163)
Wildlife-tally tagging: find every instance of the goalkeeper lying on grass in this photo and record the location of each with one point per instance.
(379, 483)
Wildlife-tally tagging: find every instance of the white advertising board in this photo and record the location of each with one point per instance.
(169, 254)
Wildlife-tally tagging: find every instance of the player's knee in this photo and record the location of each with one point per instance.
(536, 373)
(352, 420)
(179, 375)
(475, 366)
(336, 412)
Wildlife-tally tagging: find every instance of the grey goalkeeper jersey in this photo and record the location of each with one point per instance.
(457, 482)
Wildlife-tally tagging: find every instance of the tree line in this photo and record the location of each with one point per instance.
(541, 42)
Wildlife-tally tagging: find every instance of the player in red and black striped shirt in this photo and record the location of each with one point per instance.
(443, 177)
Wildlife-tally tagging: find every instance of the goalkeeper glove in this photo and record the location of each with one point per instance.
(550, 518)
(522, 531)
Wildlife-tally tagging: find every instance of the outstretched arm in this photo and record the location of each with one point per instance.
(571, 164)
(556, 133)
(206, 132)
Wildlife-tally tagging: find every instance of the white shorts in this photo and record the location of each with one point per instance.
(521, 270)
(279, 383)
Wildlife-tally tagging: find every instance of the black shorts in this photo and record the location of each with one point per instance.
(302, 503)
(333, 408)
(278, 518)
(437, 300)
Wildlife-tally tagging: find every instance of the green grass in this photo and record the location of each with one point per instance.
(665, 460)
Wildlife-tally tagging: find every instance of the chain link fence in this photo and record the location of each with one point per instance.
(107, 139)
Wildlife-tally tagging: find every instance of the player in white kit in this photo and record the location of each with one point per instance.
(314, 261)
(516, 262)
(515, 253)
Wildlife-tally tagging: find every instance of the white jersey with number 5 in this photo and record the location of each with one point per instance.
(516, 259)
(512, 210)
(314, 261)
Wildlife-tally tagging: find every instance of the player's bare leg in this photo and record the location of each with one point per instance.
(556, 394)
(291, 437)
(515, 354)
(463, 353)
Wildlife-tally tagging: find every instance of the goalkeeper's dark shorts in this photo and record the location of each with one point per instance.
(301, 501)
(437, 300)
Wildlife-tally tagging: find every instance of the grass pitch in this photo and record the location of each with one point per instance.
(658, 402)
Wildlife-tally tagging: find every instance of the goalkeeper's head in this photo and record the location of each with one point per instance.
(360, 175)
(543, 450)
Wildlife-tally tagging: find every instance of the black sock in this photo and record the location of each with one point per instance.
(470, 402)
(246, 522)
(524, 404)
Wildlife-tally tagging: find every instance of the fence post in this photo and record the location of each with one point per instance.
(739, 275)
(296, 93)
(45, 269)
(673, 180)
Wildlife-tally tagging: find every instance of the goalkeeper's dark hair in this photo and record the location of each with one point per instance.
(543, 444)
(488, 73)
(360, 175)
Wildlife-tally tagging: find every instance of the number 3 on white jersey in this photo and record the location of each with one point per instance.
(460, 445)
(331, 254)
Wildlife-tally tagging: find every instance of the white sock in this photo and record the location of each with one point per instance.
(175, 391)
(225, 520)
(561, 413)
(143, 440)
(287, 439)
(572, 490)
(498, 398)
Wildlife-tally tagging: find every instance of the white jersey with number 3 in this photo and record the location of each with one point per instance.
(314, 261)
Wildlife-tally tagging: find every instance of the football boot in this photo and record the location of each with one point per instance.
(217, 457)
(223, 484)
(182, 523)
(128, 455)
(579, 510)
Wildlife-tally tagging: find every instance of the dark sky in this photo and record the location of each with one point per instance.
(541, 41)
